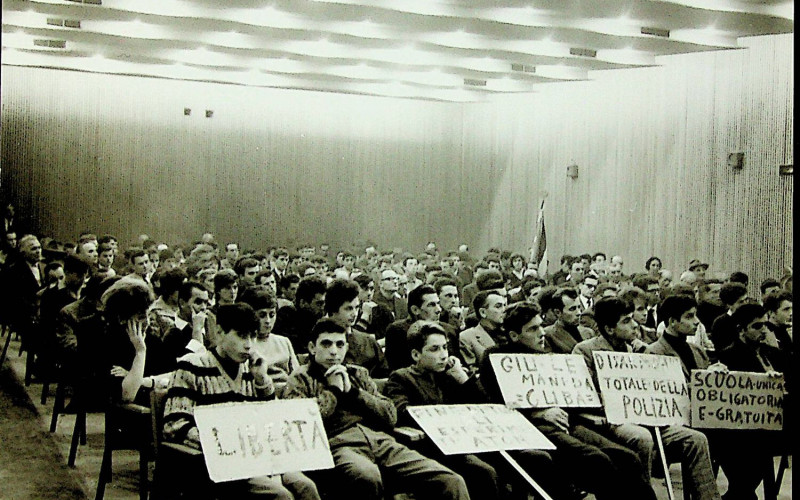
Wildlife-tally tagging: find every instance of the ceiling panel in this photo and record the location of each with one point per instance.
(456, 50)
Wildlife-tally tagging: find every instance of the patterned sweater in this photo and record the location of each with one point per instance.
(200, 380)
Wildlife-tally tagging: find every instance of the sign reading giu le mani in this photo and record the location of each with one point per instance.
(544, 380)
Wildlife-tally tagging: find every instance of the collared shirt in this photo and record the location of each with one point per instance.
(36, 274)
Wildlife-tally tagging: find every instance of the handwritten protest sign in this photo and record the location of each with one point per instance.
(736, 400)
(644, 389)
(544, 380)
(245, 440)
(459, 429)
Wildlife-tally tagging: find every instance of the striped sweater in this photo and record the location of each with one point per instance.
(200, 380)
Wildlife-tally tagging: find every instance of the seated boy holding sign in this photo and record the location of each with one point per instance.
(618, 330)
(352, 412)
(230, 372)
(437, 378)
(582, 456)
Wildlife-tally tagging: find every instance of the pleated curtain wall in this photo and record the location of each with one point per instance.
(118, 154)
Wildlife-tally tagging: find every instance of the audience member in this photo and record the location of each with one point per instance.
(232, 371)
(566, 332)
(355, 416)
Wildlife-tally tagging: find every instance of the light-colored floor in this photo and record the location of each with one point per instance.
(124, 485)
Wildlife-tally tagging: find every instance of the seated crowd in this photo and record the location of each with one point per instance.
(369, 335)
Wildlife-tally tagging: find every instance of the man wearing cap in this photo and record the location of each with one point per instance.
(698, 268)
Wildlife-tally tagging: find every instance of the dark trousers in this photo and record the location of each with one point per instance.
(366, 460)
(597, 464)
(481, 478)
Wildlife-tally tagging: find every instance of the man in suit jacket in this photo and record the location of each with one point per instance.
(390, 306)
(490, 307)
(24, 278)
(21, 283)
(423, 304)
(587, 288)
(566, 332)
(723, 330)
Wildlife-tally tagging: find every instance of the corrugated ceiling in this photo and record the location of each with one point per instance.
(457, 50)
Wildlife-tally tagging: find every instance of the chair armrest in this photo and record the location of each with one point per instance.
(134, 408)
(182, 448)
(380, 383)
(409, 433)
(591, 419)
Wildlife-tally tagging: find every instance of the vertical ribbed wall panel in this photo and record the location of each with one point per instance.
(116, 154)
(652, 145)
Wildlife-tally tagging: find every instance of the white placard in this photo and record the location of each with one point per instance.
(246, 440)
(737, 400)
(545, 380)
(460, 429)
(644, 389)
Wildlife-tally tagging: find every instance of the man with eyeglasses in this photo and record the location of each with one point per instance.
(389, 305)
(587, 288)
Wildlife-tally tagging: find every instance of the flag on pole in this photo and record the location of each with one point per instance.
(539, 248)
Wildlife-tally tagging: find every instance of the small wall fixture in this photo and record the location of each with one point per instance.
(572, 171)
(187, 111)
(786, 169)
(736, 160)
(209, 113)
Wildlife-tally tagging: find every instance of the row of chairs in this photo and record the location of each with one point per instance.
(144, 424)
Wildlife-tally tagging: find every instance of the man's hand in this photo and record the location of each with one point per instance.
(198, 320)
(456, 371)
(118, 371)
(337, 377)
(557, 417)
(718, 367)
(135, 331)
(258, 367)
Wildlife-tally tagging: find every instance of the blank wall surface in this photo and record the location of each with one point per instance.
(116, 154)
(651, 145)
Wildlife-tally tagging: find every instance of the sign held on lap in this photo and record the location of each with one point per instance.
(544, 380)
(644, 389)
(246, 440)
(460, 429)
(736, 400)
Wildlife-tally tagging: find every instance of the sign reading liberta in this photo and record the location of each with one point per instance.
(544, 380)
(737, 400)
(459, 429)
(645, 389)
(245, 440)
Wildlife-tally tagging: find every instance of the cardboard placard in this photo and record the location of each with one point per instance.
(460, 429)
(644, 389)
(736, 400)
(545, 380)
(246, 440)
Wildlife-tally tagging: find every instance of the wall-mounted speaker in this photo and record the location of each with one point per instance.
(736, 160)
(572, 171)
